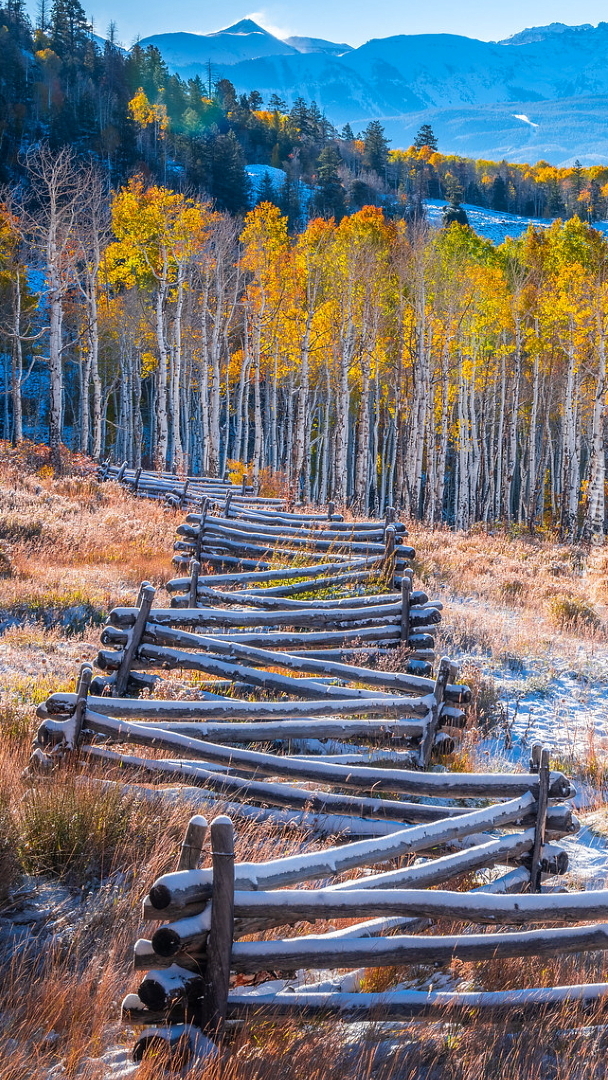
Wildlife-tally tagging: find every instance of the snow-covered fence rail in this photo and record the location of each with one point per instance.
(349, 561)
(410, 712)
(186, 960)
(183, 491)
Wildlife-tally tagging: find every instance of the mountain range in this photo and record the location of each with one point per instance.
(541, 94)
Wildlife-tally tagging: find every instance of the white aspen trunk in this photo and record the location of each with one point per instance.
(216, 382)
(500, 440)
(288, 428)
(439, 493)
(532, 484)
(258, 430)
(241, 406)
(160, 450)
(17, 364)
(177, 447)
(273, 448)
(487, 437)
(95, 378)
(473, 445)
(462, 490)
(302, 410)
(570, 460)
(595, 515)
(509, 476)
(55, 360)
(340, 484)
(138, 427)
(419, 418)
(361, 488)
(325, 477)
(84, 423)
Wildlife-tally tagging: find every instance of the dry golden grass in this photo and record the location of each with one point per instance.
(71, 540)
(523, 591)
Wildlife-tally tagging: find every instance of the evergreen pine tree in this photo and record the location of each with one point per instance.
(266, 192)
(277, 104)
(230, 186)
(375, 152)
(454, 213)
(329, 197)
(17, 20)
(576, 186)
(498, 197)
(70, 31)
(42, 20)
(347, 134)
(299, 116)
(289, 201)
(361, 194)
(426, 137)
(226, 95)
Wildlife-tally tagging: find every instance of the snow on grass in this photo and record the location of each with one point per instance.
(495, 225)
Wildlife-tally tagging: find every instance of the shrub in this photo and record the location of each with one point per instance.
(483, 712)
(9, 865)
(79, 831)
(6, 564)
(572, 613)
(513, 591)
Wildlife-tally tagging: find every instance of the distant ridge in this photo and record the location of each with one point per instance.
(319, 45)
(475, 93)
(540, 33)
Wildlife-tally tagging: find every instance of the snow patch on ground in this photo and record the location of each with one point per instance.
(563, 704)
(495, 225)
(526, 119)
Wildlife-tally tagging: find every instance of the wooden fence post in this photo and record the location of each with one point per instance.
(195, 569)
(198, 546)
(388, 559)
(541, 761)
(426, 743)
(192, 846)
(146, 599)
(221, 930)
(331, 509)
(121, 472)
(136, 480)
(82, 692)
(406, 591)
(227, 504)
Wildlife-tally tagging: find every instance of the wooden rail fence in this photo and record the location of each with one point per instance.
(287, 616)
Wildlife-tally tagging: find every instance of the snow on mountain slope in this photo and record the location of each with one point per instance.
(307, 44)
(555, 131)
(495, 225)
(444, 70)
(539, 33)
(244, 40)
(475, 93)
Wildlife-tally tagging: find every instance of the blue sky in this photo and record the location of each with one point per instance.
(354, 21)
